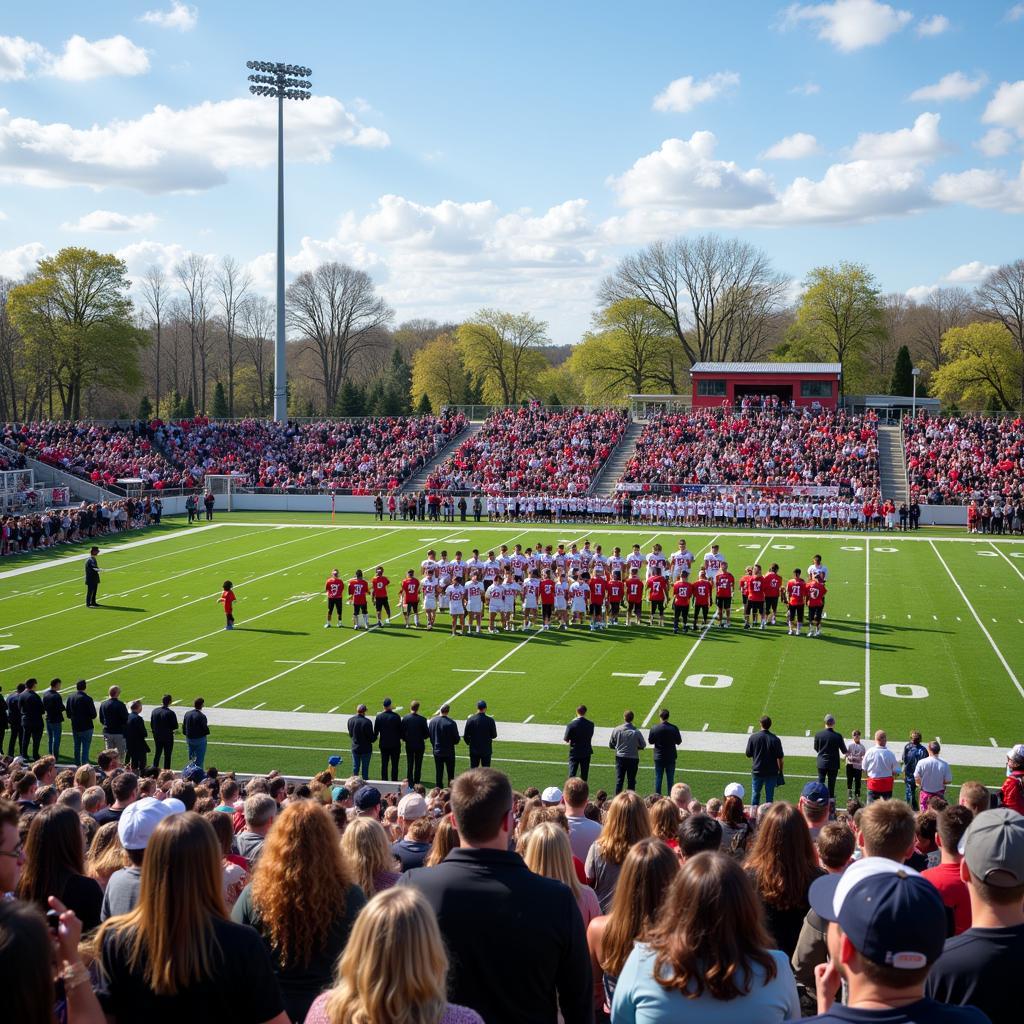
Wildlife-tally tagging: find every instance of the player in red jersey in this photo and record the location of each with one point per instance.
(547, 599)
(745, 587)
(634, 597)
(410, 599)
(796, 594)
(656, 587)
(772, 590)
(681, 592)
(335, 588)
(616, 591)
(598, 593)
(816, 591)
(379, 585)
(756, 595)
(227, 598)
(358, 589)
(702, 588)
(725, 583)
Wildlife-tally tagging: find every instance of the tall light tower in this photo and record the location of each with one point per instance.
(283, 82)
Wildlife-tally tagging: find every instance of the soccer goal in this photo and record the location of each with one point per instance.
(223, 487)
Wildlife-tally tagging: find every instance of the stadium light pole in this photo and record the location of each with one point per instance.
(281, 82)
(915, 373)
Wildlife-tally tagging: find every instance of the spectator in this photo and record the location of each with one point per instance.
(709, 957)
(582, 831)
(855, 751)
(124, 788)
(303, 901)
(627, 741)
(814, 806)
(196, 730)
(412, 849)
(1013, 786)
(55, 866)
(114, 718)
(881, 768)
(12, 851)
(952, 825)
(764, 749)
(887, 830)
(106, 854)
(395, 939)
(737, 832)
(626, 823)
(975, 797)
(665, 822)
(367, 802)
(93, 801)
(836, 844)
(681, 796)
(235, 867)
(368, 852)
(446, 839)
(176, 955)
(483, 881)
(546, 852)
(932, 774)
(260, 812)
(699, 833)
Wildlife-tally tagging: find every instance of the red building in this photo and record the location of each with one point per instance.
(716, 384)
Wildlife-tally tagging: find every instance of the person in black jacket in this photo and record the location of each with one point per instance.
(444, 738)
(135, 738)
(81, 714)
(92, 578)
(4, 718)
(764, 749)
(479, 732)
(195, 729)
(14, 717)
(360, 731)
(829, 745)
(53, 706)
(113, 718)
(32, 714)
(664, 738)
(579, 734)
(387, 729)
(164, 724)
(414, 735)
(491, 908)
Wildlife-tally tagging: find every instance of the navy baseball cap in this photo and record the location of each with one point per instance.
(816, 793)
(893, 916)
(367, 797)
(481, 704)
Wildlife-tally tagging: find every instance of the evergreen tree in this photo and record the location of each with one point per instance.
(474, 390)
(424, 408)
(400, 383)
(375, 399)
(145, 408)
(188, 408)
(902, 374)
(175, 412)
(553, 400)
(220, 402)
(351, 400)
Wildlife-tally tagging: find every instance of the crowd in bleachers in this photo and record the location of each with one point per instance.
(40, 530)
(781, 447)
(955, 460)
(533, 449)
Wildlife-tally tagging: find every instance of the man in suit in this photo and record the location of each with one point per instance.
(32, 715)
(135, 737)
(387, 730)
(664, 738)
(829, 745)
(81, 714)
(92, 578)
(113, 718)
(491, 907)
(414, 735)
(479, 732)
(444, 738)
(14, 718)
(360, 731)
(53, 706)
(164, 724)
(579, 734)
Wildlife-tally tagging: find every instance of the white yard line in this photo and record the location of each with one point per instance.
(867, 640)
(1007, 560)
(981, 625)
(487, 671)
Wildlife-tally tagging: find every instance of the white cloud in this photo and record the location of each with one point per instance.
(933, 26)
(83, 60)
(807, 89)
(17, 57)
(1015, 13)
(851, 24)
(182, 17)
(1006, 107)
(921, 292)
(990, 190)
(792, 147)
(140, 256)
(684, 94)
(954, 86)
(109, 220)
(921, 142)
(995, 142)
(170, 150)
(16, 263)
(969, 273)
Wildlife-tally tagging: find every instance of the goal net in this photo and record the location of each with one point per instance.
(223, 489)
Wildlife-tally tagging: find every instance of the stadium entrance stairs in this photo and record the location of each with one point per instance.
(606, 479)
(419, 481)
(892, 463)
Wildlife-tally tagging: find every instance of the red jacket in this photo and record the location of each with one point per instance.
(1013, 792)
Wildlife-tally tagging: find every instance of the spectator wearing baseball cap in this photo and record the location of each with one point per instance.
(885, 932)
(367, 802)
(978, 968)
(134, 828)
(1013, 787)
(814, 806)
(551, 797)
(417, 832)
(479, 733)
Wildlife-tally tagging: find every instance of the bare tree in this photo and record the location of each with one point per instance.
(719, 296)
(233, 283)
(336, 311)
(943, 309)
(881, 348)
(154, 294)
(1000, 297)
(193, 273)
(258, 320)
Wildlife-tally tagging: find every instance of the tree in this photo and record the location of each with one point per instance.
(423, 406)
(562, 383)
(720, 297)
(439, 373)
(944, 308)
(258, 319)
(220, 402)
(499, 349)
(336, 311)
(1000, 297)
(154, 290)
(188, 408)
(982, 363)
(880, 349)
(75, 309)
(399, 381)
(145, 408)
(193, 275)
(233, 284)
(352, 400)
(902, 382)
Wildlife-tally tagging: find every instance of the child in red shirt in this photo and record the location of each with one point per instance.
(228, 600)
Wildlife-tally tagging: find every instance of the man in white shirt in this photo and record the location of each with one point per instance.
(582, 831)
(818, 568)
(933, 774)
(881, 767)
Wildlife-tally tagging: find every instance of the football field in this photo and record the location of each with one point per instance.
(923, 630)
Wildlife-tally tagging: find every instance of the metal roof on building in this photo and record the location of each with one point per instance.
(789, 368)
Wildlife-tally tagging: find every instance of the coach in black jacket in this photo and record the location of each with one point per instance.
(479, 733)
(579, 734)
(163, 722)
(135, 738)
(414, 735)
(113, 718)
(81, 714)
(493, 911)
(828, 745)
(387, 731)
(32, 714)
(444, 738)
(360, 731)
(664, 738)
(14, 716)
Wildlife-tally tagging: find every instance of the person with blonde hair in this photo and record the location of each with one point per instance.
(446, 839)
(547, 852)
(626, 823)
(394, 969)
(367, 849)
(176, 951)
(106, 854)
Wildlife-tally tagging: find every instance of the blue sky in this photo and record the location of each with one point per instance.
(472, 155)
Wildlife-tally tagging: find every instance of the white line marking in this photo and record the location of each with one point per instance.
(335, 708)
(295, 661)
(529, 718)
(258, 706)
(750, 729)
(299, 708)
(981, 625)
(992, 740)
(489, 671)
(867, 640)
(705, 729)
(807, 732)
(1008, 562)
(500, 672)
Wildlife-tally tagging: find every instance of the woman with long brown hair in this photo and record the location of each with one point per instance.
(665, 822)
(394, 969)
(709, 958)
(782, 864)
(303, 902)
(55, 866)
(647, 873)
(368, 852)
(626, 823)
(446, 839)
(176, 955)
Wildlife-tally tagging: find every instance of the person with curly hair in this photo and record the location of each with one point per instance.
(303, 901)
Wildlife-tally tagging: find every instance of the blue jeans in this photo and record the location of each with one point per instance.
(766, 781)
(361, 765)
(83, 740)
(911, 792)
(668, 770)
(53, 731)
(197, 751)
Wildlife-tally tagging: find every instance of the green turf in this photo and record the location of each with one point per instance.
(929, 664)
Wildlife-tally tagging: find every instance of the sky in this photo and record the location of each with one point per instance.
(472, 155)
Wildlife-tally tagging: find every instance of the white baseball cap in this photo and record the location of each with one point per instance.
(139, 819)
(411, 806)
(735, 789)
(551, 795)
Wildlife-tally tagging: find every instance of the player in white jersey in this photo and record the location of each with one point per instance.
(572, 561)
(430, 562)
(513, 589)
(517, 563)
(495, 595)
(681, 559)
(457, 606)
(430, 586)
(491, 569)
(475, 600)
(579, 593)
(531, 588)
(616, 563)
(444, 578)
(713, 562)
(475, 564)
(561, 604)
